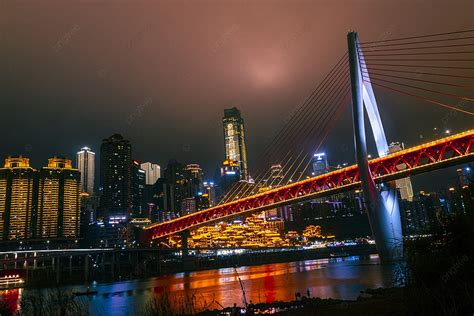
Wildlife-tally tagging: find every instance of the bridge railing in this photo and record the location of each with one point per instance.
(444, 152)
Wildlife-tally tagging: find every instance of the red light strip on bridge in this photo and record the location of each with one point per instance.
(444, 152)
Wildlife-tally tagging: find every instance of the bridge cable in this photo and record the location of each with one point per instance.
(308, 120)
(422, 98)
(327, 118)
(368, 50)
(416, 72)
(328, 128)
(417, 42)
(307, 105)
(294, 120)
(335, 120)
(320, 123)
(419, 36)
(424, 89)
(371, 73)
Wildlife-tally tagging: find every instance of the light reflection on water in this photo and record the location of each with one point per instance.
(341, 278)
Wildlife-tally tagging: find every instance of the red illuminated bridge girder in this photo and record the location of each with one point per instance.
(438, 154)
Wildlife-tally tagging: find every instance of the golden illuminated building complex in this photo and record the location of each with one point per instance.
(16, 198)
(58, 200)
(254, 232)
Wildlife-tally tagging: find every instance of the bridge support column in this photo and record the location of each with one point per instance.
(184, 250)
(382, 206)
(26, 267)
(58, 268)
(112, 264)
(86, 268)
(184, 244)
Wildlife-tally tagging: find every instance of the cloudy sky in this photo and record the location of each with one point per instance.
(161, 72)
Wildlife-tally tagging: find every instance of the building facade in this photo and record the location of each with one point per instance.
(320, 164)
(276, 176)
(194, 179)
(17, 200)
(152, 172)
(138, 190)
(210, 193)
(86, 166)
(115, 176)
(234, 140)
(58, 200)
(175, 187)
(230, 174)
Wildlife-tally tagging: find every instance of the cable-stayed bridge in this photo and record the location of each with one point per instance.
(410, 67)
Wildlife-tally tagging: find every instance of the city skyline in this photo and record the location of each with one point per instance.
(236, 157)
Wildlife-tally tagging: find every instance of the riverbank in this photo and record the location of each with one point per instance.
(369, 302)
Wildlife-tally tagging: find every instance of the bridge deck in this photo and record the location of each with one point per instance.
(438, 154)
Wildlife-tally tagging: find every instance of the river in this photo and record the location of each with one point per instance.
(341, 278)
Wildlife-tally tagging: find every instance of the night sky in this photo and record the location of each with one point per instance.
(161, 72)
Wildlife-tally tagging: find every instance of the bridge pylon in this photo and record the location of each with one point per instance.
(381, 201)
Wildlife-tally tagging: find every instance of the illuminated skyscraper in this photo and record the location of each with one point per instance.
(138, 190)
(403, 185)
(188, 206)
(16, 198)
(230, 173)
(152, 172)
(174, 188)
(276, 176)
(320, 164)
(86, 166)
(115, 175)
(234, 138)
(210, 193)
(194, 177)
(58, 200)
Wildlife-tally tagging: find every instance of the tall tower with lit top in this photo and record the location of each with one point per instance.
(58, 200)
(86, 165)
(17, 180)
(234, 139)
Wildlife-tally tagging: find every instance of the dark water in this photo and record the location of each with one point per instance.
(342, 278)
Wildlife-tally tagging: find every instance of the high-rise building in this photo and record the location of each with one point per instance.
(86, 166)
(403, 185)
(194, 177)
(152, 172)
(276, 175)
(138, 190)
(16, 199)
(234, 139)
(320, 164)
(463, 176)
(115, 175)
(230, 173)
(210, 193)
(58, 200)
(175, 187)
(188, 206)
